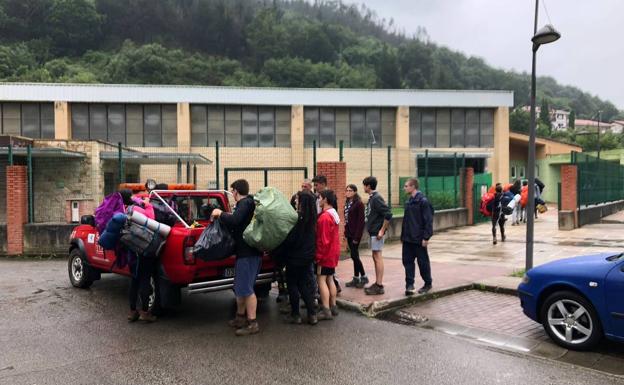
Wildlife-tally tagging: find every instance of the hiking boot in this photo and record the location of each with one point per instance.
(146, 316)
(325, 314)
(374, 289)
(133, 316)
(424, 290)
(252, 327)
(312, 319)
(494, 241)
(363, 282)
(334, 310)
(409, 290)
(238, 322)
(337, 283)
(353, 283)
(293, 319)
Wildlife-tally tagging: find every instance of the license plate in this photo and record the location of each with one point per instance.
(229, 272)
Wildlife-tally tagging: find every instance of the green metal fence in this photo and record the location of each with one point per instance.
(481, 183)
(439, 179)
(599, 180)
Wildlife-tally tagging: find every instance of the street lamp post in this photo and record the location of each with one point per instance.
(545, 35)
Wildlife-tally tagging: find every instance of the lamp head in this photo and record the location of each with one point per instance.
(546, 34)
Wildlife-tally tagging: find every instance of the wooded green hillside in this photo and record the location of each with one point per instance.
(244, 43)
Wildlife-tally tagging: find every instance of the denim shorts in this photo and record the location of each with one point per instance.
(246, 272)
(377, 244)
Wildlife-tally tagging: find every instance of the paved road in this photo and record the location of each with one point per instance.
(51, 333)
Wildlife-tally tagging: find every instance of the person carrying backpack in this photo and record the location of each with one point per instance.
(416, 231)
(498, 217)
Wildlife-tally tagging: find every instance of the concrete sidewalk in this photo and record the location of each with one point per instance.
(464, 257)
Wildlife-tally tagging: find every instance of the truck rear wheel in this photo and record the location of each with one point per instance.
(80, 273)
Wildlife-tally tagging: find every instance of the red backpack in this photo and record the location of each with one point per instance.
(486, 204)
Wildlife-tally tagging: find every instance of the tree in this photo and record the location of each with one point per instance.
(266, 36)
(572, 119)
(544, 115)
(519, 120)
(75, 26)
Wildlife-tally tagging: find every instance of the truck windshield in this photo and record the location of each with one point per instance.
(192, 208)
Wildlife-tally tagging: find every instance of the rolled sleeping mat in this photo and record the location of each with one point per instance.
(110, 236)
(151, 224)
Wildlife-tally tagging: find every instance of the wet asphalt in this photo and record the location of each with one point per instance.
(52, 333)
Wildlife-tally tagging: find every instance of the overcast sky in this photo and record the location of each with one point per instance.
(589, 55)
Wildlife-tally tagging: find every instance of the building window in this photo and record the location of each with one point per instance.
(136, 125)
(448, 128)
(327, 127)
(472, 128)
(428, 128)
(359, 136)
(487, 128)
(235, 126)
(513, 172)
(388, 126)
(32, 120)
(522, 172)
(414, 124)
(355, 127)
(250, 127)
(170, 125)
(443, 128)
(458, 127)
(152, 126)
(116, 123)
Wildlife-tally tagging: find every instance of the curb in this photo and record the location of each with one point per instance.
(495, 289)
(379, 308)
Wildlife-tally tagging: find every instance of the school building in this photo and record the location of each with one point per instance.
(170, 134)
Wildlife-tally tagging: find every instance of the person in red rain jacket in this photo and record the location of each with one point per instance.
(327, 253)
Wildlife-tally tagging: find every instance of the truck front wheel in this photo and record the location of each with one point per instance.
(80, 273)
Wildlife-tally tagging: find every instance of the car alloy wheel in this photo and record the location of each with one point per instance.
(570, 322)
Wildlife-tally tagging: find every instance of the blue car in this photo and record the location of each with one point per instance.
(578, 300)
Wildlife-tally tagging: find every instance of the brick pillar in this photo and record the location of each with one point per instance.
(16, 208)
(336, 174)
(466, 182)
(569, 190)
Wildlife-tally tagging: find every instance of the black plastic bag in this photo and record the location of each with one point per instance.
(214, 243)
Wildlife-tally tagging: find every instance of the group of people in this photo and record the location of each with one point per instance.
(310, 253)
(519, 213)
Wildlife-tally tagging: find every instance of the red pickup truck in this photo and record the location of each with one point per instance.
(178, 267)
